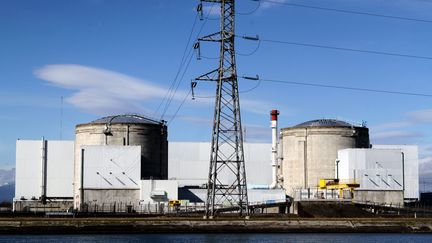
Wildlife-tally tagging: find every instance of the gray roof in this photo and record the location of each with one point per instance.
(325, 123)
(133, 119)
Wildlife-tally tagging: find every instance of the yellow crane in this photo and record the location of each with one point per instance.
(341, 186)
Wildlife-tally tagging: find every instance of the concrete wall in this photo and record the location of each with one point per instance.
(254, 195)
(36, 206)
(111, 196)
(309, 153)
(379, 197)
(29, 169)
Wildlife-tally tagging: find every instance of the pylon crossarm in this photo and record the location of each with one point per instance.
(208, 76)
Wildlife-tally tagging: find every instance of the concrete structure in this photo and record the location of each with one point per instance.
(385, 173)
(111, 174)
(126, 130)
(43, 172)
(254, 195)
(310, 150)
(386, 197)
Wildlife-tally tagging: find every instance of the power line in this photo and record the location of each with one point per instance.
(346, 87)
(172, 94)
(346, 49)
(348, 11)
(237, 53)
(241, 91)
(178, 85)
(180, 106)
(252, 11)
(180, 66)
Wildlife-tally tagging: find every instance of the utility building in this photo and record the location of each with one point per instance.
(386, 173)
(43, 175)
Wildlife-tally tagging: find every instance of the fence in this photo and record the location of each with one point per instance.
(317, 194)
(141, 208)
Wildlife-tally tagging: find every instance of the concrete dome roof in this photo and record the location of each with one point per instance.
(125, 119)
(325, 123)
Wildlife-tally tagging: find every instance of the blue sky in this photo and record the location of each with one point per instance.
(109, 57)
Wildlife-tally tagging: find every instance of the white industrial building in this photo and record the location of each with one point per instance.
(127, 160)
(111, 174)
(386, 173)
(410, 169)
(188, 162)
(44, 171)
(43, 168)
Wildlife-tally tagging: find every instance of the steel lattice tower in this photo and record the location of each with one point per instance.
(227, 188)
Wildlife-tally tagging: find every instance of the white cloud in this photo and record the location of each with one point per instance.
(7, 176)
(211, 10)
(421, 116)
(197, 120)
(102, 91)
(391, 125)
(214, 9)
(425, 167)
(272, 3)
(394, 130)
(395, 135)
(256, 133)
(425, 149)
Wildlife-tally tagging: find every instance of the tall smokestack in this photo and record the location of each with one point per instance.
(274, 118)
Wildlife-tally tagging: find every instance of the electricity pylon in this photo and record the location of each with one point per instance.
(227, 187)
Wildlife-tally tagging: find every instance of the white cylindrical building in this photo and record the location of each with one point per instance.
(125, 130)
(310, 150)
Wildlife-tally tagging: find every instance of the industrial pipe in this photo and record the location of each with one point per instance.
(274, 153)
(44, 171)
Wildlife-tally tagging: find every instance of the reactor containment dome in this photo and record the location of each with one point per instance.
(134, 130)
(310, 150)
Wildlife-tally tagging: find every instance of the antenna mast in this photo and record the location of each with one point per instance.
(227, 187)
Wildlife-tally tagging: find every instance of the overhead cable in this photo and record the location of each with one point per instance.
(347, 11)
(346, 49)
(172, 95)
(180, 66)
(180, 106)
(252, 11)
(345, 87)
(177, 86)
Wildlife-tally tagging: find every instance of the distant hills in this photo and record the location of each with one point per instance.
(7, 192)
(7, 176)
(7, 185)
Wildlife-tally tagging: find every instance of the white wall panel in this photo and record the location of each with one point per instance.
(29, 168)
(380, 168)
(28, 179)
(112, 167)
(411, 168)
(188, 162)
(60, 155)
